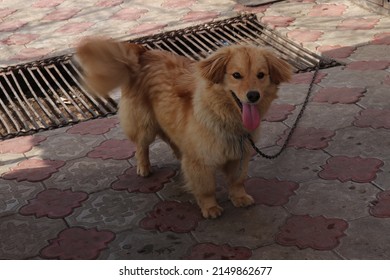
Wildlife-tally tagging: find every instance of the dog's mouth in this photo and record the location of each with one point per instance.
(249, 112)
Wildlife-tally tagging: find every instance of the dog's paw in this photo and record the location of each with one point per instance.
(212, 212)
(143, 170)
(242, 201)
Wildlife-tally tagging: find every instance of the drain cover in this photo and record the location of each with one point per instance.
(49, 93)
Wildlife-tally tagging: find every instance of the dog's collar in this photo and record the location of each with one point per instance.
(239, 103)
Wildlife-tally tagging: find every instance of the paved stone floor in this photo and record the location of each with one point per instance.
(72, 193)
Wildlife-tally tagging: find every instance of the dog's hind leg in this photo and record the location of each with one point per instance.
(140, 127)
(236, 173)
(200, 181)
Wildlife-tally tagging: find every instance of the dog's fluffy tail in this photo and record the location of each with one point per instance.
(108, 64)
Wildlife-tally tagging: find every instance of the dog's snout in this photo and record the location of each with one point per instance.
(253, 96)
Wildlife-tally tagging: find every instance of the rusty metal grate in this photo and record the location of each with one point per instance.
(49, 93)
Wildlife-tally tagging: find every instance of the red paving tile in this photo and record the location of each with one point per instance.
(336, 51)
(381, 39)
(61, 14)
(200, 16)
(53, 203)
(381, 207)
(306, 78)
(277, 21)
(210, 251)
(318, 233)
(132, 182)
(356, 169)
(93, 127)
(113, 149)
(304, 36)
(74, 28)
(33, 170)
(20, 145)
(270, 192)
(20, 39)
(11, 26)
(368, 65)
(358, 24)
(341, 95)
(172, 216)
(375, 118)
(77, 244)
(4, 12)
(310, 138)
(278, 112)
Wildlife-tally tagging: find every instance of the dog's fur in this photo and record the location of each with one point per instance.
(189, 105)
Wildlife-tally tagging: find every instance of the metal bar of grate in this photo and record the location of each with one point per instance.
(50, 93)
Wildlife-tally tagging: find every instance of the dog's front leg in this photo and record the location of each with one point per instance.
(236, 173)
(200, 180)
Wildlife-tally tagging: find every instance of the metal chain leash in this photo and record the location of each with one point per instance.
(294, 126)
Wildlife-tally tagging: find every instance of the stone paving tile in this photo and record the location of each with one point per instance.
(360, 79)
(294, 94)
(270, 132)
(23, 237)
(321, 115)
(293, 165)
(139, 244)
(9, 161)
(13, 195)
(365, 240)
(382, 179)
(87, 175)
(112, 210)
(375, 97)
(371, 52)
(348, 201)
(65, 147)
(278, 252)
(365, 142)
(250, 227)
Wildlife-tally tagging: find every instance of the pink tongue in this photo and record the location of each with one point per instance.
(250, 116)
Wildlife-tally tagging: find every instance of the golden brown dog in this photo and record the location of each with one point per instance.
(201, 109)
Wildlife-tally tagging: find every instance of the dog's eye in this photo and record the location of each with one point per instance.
(260, 75)
(237, 75)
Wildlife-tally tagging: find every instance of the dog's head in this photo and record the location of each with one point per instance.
(251, 74)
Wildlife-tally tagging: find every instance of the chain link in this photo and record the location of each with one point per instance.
(294, 126)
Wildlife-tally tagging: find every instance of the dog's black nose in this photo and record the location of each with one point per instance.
(253, 96)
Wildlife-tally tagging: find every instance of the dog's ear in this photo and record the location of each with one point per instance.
(213, 68)
(279, 70)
